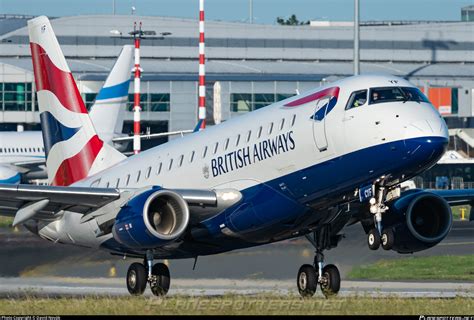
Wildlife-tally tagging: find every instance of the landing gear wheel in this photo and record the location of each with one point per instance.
(331, 281)
(387, 239)
(373, 239)
(160, 283)
(136, 279)
(307, 280)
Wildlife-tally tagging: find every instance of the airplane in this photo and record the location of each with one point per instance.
(22, 154)
(305, 166)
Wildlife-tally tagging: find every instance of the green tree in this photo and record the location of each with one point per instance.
(291, 21)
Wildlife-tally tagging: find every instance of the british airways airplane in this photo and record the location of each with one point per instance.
(306, 166)
(22, 154)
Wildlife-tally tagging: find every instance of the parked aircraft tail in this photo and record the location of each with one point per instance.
(107, 112)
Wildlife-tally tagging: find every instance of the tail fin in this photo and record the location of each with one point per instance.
(73, 149)
(107, 113)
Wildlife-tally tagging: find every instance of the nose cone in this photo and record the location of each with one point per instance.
(426, 141)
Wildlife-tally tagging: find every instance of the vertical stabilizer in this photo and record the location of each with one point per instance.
(73, 149)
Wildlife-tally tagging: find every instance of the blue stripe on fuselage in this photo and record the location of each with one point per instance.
(116, 91)
(261, 216)
(54, 131)
(13, 179)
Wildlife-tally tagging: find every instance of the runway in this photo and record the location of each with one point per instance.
(75, 287)
(32, 266)
(26, 255)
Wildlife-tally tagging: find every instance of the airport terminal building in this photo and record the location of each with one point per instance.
(248, 66)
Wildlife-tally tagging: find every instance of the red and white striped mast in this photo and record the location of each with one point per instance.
(202, 69)
(136, 92)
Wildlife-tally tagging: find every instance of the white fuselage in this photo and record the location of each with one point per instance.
(21, 146)
(210, 159)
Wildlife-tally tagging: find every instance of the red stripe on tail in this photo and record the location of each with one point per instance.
(51, 78)
(77, 167)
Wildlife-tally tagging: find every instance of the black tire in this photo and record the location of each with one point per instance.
(387, 239)
(373, 239)
(136, 279)
(331, 281)
(161, 285)
(307, 280)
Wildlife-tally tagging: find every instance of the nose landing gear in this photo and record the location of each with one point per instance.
(157, 276)
(327, 276)
(378, 235)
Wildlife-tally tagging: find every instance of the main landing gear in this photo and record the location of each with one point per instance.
(157, 276)
(378, 235)
(327, 276)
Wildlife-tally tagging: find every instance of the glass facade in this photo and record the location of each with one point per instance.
(16, 96)
(245, 102)
(89, 99)
(154, 102)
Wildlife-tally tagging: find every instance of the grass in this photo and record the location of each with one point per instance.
(236, 305)
(6, 222)
(457, 212)
(418, 268)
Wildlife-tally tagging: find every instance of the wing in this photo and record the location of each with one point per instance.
(45, 202)
(48, 202)
(456, 197)
(26, 166)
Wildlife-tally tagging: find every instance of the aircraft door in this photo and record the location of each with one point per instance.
(319, 123)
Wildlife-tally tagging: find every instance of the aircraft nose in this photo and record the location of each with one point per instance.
(427, 128)
(426, 141)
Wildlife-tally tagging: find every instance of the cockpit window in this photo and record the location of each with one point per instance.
(414, 94)
(393, 94)
(357, 99)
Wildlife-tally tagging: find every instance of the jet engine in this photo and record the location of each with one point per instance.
(151, 219)
(419, 220)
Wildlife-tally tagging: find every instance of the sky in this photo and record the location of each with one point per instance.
(264, 11)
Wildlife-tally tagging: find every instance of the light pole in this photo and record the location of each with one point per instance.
(137, 35)
(356, 38)
(202, 70)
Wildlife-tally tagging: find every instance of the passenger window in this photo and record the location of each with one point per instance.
(293, 120)
(204, 152)
(128, 180)
(180, 160)
(148, 172)
(357, 99)
(159, 168)
(226, 144)
(282, 124)
(107, 184)
(237, 140)
(95, 183)
(215, 147)
(249, 135)
(270, 129)
(118, 183)
(192, 157)
(138, 175)
(170, 165)
(259, 134)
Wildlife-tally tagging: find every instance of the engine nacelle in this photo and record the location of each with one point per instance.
(151, 219)
(419, 221)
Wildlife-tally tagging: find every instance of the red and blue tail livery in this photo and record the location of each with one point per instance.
(71, 142)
